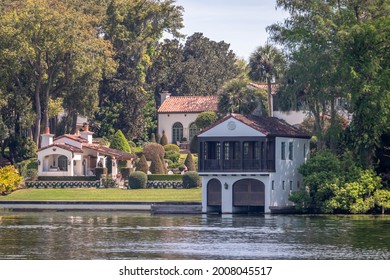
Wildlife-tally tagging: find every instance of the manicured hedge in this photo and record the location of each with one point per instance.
(67, 178)
(160, 177)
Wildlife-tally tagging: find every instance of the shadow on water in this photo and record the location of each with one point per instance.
(130, 235)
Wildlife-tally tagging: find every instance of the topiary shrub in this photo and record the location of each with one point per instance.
(156, 167)
(142, 165)
(119, 142)
(191, 179)
(153, 138)
(137, 180)
(99, 171)
(164, 139)
(189, 163)
(172, 147)
(153, 149)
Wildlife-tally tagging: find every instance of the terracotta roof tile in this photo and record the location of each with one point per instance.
(73, 137)
(121, 155)
(270, 126)
(189, 104)
(63, 146)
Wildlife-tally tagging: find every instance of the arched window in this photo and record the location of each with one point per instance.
(63, 163)
(193, 131)
(177, 132)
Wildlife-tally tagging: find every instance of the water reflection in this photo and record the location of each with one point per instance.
(124, 235)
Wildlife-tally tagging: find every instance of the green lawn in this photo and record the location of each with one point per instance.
(106, 195)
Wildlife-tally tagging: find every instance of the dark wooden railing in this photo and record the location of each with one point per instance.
(236, 165)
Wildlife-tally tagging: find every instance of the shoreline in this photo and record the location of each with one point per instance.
(153, 207)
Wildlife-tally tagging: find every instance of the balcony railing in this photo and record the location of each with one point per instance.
(236, 165)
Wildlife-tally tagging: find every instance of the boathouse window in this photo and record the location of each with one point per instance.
(298, 185)
(283, 185)
(272, 185)
(291, 185)
(283, 151)
(304, 151)
(290, 150)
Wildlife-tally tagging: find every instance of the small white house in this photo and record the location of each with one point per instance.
(76, 155)
(177, 115)
(250, 163)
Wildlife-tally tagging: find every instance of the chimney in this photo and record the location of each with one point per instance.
(164, 95)
(86, 134)
(46, 138)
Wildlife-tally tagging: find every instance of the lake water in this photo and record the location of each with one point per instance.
(129, 235)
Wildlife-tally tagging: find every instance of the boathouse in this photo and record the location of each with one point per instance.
(250, 164)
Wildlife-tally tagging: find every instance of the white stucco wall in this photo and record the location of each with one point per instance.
(166, 121)
(47, 155)
(287, 170)
(291, 117)
(227, 194)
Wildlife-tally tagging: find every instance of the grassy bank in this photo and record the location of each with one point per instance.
(157, 195)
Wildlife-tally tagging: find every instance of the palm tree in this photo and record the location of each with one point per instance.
(265, 65)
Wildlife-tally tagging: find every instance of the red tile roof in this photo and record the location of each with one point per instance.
(189, 104)
(73, 137)
(121, 155)
(63, 146)
(269, 126)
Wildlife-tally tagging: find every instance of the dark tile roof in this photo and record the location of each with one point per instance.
(121, 155)
(63, 146)
(189, 104)
(269, 126)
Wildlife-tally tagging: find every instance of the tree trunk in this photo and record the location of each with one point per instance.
(37, 126)
(270, 109)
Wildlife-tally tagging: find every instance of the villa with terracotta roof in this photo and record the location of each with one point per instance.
(76, 155)
(250, 163)
(177, 114)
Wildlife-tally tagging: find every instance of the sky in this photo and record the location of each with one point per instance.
(241, 23)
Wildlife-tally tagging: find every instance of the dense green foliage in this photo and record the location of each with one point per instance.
(337, 185)
(9, 179)
(205, 119)
(200, 67)
(172, 147)
(137, 180)
(191, 179)
(338, 50)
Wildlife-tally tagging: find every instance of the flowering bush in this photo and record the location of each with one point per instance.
(9, 179)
